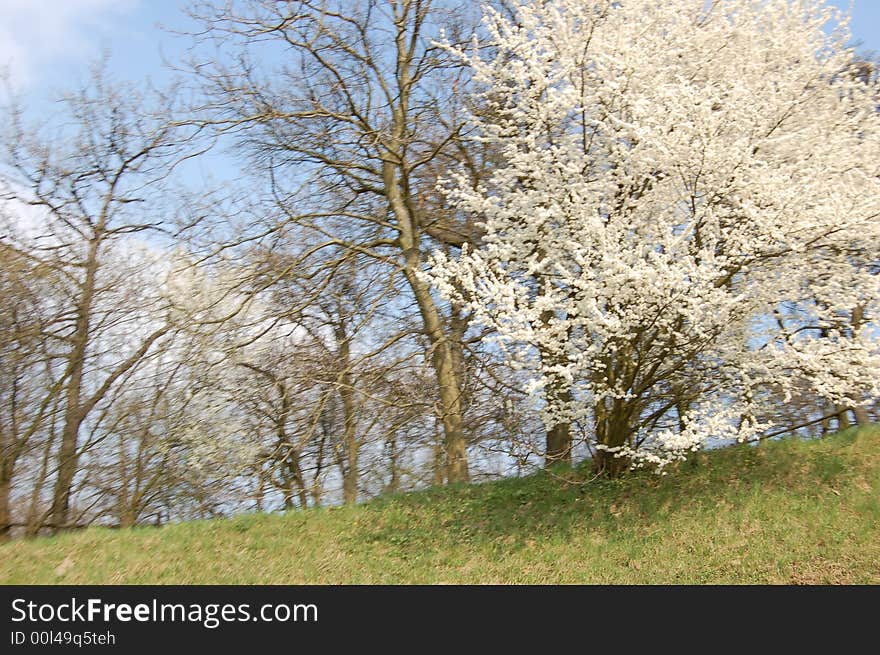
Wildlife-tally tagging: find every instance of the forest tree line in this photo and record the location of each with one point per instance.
(336, 323)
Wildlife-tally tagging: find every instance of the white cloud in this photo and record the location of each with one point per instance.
(35, 34)
(22, 220)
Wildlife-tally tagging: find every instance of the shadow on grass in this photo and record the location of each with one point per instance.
(512, 514)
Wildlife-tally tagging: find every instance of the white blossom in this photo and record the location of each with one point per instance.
(686, 202)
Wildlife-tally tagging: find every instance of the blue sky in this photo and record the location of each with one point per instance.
(47, 44)
(865, 24)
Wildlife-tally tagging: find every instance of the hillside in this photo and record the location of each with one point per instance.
(783, 512)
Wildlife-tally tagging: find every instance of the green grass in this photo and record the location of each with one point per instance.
(785, 512)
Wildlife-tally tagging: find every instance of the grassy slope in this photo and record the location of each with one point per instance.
(785, 512)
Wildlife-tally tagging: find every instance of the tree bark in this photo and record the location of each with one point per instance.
(73, 411)
(557, 393)
(290, 455)
(858, 318)
(295, 470)
(349, 428)
(35, 517)
(442, 353)
(394, 478)
(558, 447)
(396, 188)
(861, 413)
(385, 134)
(77, 406)
(5, 511)
(842, 418)
(261, 490)
(612, 431)
(438, 477)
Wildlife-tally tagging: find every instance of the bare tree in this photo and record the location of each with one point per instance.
(95, 179)
(27, 384)
(351, 129)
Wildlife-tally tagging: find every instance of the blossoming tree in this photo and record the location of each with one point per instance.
(684, 216)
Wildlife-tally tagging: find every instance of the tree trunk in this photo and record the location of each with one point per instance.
(396, 190)
(842, 418)
(558, 448)
(128, 518)
(5, 512)
(124, 502)
(858, 318)
(287, 456)
(315, 487)
(861, 413)
(612, 431)
(67, 467)
(295, 469)
(349, 432)
(442, 353)
(73, 414)
(826, 425)
(350, 481)
(394, 478)
(291, 454)
(35, 517)
(438, 478)
(557, 394)
(261, 489)
(609, 465)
